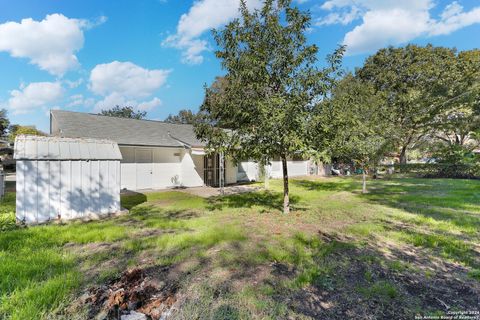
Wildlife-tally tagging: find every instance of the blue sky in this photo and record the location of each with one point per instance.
(157, 54)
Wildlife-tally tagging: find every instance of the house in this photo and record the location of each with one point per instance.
(158, 155)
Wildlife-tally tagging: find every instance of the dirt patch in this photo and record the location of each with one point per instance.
(147, 291)
(396, 284)
(207, 192)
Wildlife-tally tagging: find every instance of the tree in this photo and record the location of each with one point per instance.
(16, 129)
(184, 116)
(356, 126)
(4, 122)
(417, 82)
(270, 87)
(124, 112)
(459, 123)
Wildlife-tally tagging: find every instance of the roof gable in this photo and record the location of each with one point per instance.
(124, 131)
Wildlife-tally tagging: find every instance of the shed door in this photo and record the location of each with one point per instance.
(144, 160)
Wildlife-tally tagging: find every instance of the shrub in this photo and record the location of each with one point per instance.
(441, 170)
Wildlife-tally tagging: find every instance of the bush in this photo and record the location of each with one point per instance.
(440, 170)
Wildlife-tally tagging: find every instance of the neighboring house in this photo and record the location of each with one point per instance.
(159, 155)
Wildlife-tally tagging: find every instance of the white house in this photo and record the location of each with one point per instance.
(158, 155)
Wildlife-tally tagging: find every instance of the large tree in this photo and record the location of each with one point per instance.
(272, 84)
(184, 116)
(417, 81)
(355, 125)
(124, 112)
(459, 123)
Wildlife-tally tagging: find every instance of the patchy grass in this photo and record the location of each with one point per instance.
(404, 248)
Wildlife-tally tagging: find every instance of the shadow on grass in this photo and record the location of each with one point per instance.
(447, 245)
(447, 193)
(132, 199)
(327, 276)
(322, 185)
(449, 209)
(350, 278)
(266, 199)
(146, 217)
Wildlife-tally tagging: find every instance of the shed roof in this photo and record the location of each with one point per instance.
(56, 148)
(124, 131)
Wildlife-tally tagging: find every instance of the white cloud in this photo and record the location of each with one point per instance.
(127, 79)
(392, 22)
(78, 100)
(50, 44)
(203, 16)
(116, 99)
(74, 84)
(34, 95)
(149, 105)
(454, 18)
(112, 100)
(124, 83)
(344, 18)
(382, 27)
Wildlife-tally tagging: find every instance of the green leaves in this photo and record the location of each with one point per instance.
(270, 87)
(356, 129)
(420, 84)
(124, 112)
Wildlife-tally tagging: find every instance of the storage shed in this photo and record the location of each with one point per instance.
(66, 178)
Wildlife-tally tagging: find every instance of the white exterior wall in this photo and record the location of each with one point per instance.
(162, 167)
(231, 172)
(150, 168)
(295, 168)
(248, 171)
(67, 189)
(191, 171)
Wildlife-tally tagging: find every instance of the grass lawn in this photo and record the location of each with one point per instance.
(409, 246)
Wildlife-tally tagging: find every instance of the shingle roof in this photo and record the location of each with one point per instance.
(124, 131)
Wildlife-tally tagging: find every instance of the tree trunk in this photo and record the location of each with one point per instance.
(286, 198)
(266, 176)
(364, 178)
(403, 155)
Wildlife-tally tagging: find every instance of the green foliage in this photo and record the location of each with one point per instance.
(459, 124)
(184, 116)
(352, 124)
(15, 130)
(124, 112)
(7, 212)
(417, 82)
(441, 170)
(456, 154)
(357, 127)
(266, 97)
